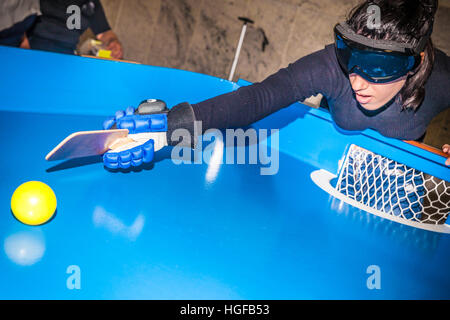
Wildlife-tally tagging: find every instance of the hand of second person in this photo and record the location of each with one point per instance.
(116, 49)
(109, 38)
(446, 150)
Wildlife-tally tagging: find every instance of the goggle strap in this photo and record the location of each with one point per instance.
(347, 33)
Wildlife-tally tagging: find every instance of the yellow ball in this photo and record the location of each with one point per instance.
(33, 203)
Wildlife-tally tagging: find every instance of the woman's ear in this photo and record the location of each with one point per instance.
(422, 56)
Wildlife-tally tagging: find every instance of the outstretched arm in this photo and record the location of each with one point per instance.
(308, 76)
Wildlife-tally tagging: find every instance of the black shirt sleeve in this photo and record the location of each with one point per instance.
(316, 73)
(98, 21)
(52, 24)
(307, 76)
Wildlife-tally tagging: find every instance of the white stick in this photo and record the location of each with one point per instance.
(238, 51)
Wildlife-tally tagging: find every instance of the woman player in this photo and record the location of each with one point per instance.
(388, 77)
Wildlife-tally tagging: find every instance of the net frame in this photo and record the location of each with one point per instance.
(393, 188)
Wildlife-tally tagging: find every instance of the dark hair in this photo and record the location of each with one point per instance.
(405, 21)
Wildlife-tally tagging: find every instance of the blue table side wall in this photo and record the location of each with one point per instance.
(103, 86)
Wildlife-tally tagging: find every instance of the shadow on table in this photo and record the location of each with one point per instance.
(72, 163)
(78, 162)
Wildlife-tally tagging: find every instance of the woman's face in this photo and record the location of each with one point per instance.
(372, 96)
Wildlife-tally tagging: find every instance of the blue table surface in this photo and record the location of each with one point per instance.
(170, 231)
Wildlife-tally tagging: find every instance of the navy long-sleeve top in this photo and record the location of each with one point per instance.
(52, 24)
(320, 73)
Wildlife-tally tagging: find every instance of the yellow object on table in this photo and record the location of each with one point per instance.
(33, 203)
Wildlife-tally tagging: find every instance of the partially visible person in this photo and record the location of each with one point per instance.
(112, 43)
(446, 150)
(16, 18)
(51, 33)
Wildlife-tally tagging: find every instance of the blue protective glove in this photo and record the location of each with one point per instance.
(147, 134)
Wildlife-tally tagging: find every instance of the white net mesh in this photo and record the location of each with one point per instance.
(393, 188)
